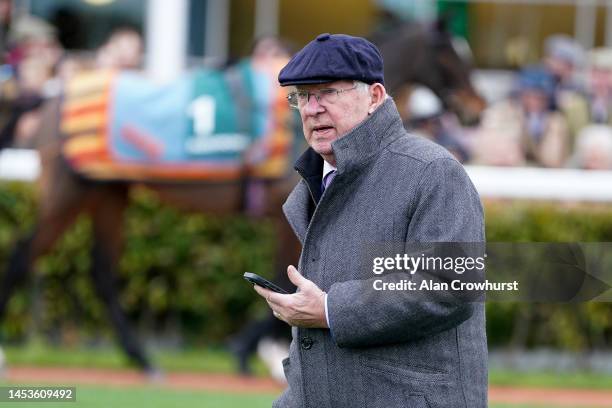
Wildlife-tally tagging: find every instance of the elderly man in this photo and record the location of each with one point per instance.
(365, 181)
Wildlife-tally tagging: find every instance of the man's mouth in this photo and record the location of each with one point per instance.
(321, 130)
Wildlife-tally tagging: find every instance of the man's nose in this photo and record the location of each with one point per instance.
(313, 106)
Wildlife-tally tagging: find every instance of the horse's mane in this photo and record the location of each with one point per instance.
(391, 27)
(402, 44)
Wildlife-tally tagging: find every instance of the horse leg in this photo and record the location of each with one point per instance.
(29, 248)
(22, 106)
(55, 218)
(106, 252)
(16, 271)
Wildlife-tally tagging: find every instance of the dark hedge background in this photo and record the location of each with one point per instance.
(181, 276)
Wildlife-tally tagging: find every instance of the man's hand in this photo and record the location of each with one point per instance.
(306, 308)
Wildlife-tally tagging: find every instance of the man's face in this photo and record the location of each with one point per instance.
(534, 101)
(559, 67)
(600, 80)
(323, 122)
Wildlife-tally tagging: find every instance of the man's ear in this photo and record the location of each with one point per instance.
(377, 95)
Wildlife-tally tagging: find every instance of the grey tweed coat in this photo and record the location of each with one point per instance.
(383, 350)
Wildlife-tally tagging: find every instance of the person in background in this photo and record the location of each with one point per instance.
(563, 59)
(33, 55)
(122, 50)
(427, 118)
(33, 39)
(600, 86)
(593, 149)
(42, 67)
(6, 7)
(594, 105)
(524, 129)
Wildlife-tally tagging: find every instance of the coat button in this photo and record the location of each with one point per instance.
(307, 343)
(314, 253)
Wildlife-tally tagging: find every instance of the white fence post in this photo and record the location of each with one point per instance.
(166, 38)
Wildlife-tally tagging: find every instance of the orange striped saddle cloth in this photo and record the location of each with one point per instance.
(120, 126)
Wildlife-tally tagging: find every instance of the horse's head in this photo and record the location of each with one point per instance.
(428, 56)
(449, 76)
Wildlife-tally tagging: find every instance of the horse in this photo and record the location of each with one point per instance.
(429, 56)
(64, 193)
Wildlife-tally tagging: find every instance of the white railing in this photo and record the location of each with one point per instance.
(491, 182)
(19, 164)
(542, 184)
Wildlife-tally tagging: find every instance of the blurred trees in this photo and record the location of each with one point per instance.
(576, 326)
(181, 275)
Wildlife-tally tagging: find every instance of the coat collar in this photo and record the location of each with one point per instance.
(355, 148)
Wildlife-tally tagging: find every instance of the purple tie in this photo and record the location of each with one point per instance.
(329, 177)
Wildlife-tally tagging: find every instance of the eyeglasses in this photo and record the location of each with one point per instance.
(328, 96)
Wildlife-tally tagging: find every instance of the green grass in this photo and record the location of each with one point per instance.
(201, 360)
(220, 361)
(551, 379)
(151, 397)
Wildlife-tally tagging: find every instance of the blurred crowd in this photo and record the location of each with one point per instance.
(33, 65)
(557, 114)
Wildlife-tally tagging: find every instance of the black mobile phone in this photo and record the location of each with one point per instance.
(263, 282)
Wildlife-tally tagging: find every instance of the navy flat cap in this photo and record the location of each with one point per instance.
(333, 57)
